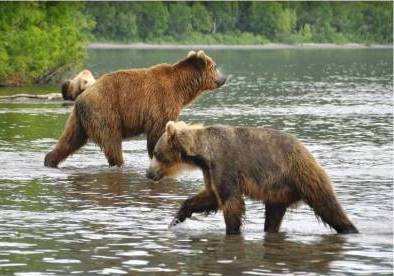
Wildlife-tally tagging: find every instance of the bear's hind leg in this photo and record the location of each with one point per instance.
(205, 201)
(73, 138)
(113, 152)
(233, 212)
(321, 198)
(108, 137)
(330, 211)
(273, 217)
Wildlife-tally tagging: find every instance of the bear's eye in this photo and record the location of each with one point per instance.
(159, 156)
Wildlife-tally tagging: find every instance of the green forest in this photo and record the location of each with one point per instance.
(39, 40)
(242, 22)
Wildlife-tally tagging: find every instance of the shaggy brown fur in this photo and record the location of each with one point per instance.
(72, 88)
(261, 163)
(126, 103)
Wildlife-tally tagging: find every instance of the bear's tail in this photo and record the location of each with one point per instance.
(316, 190)
(73, 137)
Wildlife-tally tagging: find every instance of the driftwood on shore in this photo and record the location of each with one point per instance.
(49, 96)
(33, 98)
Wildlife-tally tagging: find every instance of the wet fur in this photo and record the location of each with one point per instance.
(130, 102)
(261, 163)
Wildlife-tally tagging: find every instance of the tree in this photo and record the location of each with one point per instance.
(39, 40)
(272, 19)
(291, 21)
(180, 19)
(378, 22)
(285, 22)
(126, 24)
(116, 20)
(243, 23)
(306, 33)
(264, 18)
(322, 29)
(105, 27)
(152, 19)
(225, 15)
(201, 18)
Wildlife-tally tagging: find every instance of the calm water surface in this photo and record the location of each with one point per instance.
(86, 218)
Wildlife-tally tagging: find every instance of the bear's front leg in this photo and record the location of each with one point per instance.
(273, 217)
(233, 212)
(205, 201)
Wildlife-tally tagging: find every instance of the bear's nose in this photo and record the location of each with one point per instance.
(152, 174)
(221, 81)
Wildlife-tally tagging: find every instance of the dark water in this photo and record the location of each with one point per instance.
(86, 219)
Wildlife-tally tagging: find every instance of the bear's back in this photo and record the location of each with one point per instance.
(247, 141)
(254, 133)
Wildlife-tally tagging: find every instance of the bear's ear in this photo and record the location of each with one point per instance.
(170, 128)
(172, 134)
(202, 57)
(173, 128)
(201, 54)
(191, 53)
(178, 136)
(193, 60)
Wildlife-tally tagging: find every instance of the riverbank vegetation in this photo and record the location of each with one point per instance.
(40, 40)
(242, 22)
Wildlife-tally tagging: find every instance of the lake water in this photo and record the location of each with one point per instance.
(86, 218)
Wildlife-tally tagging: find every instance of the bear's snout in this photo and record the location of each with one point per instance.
(222, 80)
(153, 174)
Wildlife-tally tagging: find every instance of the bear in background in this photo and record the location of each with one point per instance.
(72, 88)
(261, 163)
(127, 103)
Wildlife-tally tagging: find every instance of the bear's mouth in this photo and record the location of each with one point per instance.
(153, 174)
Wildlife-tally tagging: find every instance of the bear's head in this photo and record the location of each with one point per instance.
(72, 88)
(206, 74)
(175, 151)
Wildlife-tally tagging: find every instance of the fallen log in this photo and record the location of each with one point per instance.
(50, 96)
(27, 98)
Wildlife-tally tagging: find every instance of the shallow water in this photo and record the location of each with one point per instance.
(86, 218)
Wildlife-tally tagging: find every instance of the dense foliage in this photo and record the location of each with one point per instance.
(243, 22)
(40, 39)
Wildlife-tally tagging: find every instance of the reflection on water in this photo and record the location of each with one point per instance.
(85, 218)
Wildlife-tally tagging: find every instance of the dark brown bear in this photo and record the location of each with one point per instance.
(262, 163)
(126, 103)
(72, 88)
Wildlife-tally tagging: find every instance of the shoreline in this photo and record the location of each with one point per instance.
(268, 46)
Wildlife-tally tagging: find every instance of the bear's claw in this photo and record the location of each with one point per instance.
(174, 222)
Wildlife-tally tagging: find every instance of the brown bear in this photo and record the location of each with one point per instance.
(126, 103)
(261, 163)
(72, 88)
